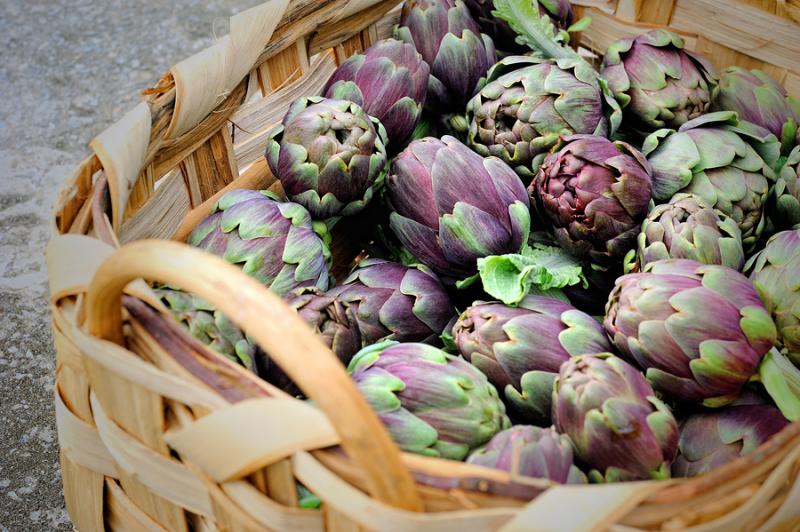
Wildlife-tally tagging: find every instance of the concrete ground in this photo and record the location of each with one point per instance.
(68, 68)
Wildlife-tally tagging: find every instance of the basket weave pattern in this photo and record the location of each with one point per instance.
(158, 432)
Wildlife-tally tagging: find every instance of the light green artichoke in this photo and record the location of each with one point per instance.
(784, 209)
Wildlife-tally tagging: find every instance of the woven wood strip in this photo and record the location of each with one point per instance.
(82, 441)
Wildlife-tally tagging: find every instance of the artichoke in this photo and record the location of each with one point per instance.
(452, 206)
(388, 81)
(527, 104)
(775, 272)
(329, 155)
(657, 82)
(759, 99)
(710, 439)
(505, 38)
(273, 242)
(617, 425)
(595, 194)
(432, 403)
(210, 326)
(698, 331)
(688, 228)
(520, 349)
(451, 42)
(529, 451)
(784, 209)
(725, 161)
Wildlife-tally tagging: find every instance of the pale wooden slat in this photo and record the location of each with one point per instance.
(123, 514)
(83, 494)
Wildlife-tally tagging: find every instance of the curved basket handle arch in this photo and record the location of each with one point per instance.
(278, 330)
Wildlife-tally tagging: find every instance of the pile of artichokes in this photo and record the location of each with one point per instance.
(501, 205)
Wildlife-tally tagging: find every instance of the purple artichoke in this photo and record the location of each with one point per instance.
(388, 81)
(617, 425)
(698, 331)
(657, 82)
(759, 99)
(775, 272)
(712, 438)
(784, 209)
(328, 155)
(725, 161)
(452, 206)
(451, 42)
(688, 228)
(380, 300)
(505, 38)
(529, 451)
(527, 104)
(274, 242)
(595, 194)
(431, 403)
(522, 348)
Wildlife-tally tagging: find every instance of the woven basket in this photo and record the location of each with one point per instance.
(158, 432)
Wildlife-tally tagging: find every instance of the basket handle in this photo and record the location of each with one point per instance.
(278, 330)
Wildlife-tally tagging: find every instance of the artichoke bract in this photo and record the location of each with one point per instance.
(784, 209)
(328, 155)
(616, 423)
(333, 322)
(657, 82)
(725, 161)
(452, 44)
(522, 348)
(595, 194)
(688, 228)
(505, 38)
(274, 242)
(527, 104)
(698, 331)
(759, 99)
(775, 272)
(389, 81)
(524, 450)
(431, 403)
(452, 206)
(710, 439)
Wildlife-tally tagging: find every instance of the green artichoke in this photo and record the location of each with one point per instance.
(527, 104)
(775, 272)
(688, 228)
(784, 208)
(274, 242)
(524, 450)
(520, 349)
(657, 82)
(432, 403)
(329, 155)
(759, 99)
(616, 423)
(725, 161)
(699, 331)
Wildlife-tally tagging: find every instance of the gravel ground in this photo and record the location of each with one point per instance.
(69, 69)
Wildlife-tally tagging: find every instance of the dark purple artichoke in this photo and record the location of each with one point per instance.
(451, 206)
(274, 242)
(522, 348)
(529, 451)
(657, 82)
(713, 438)
(431, 403)
(698, 331)
(688, 228)
(595, 194)
(527, 104)
(725, 161)
(559, 12)
(759, 99)
(388, 81)
(451, 42)
(617, 425)
(328, 155)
